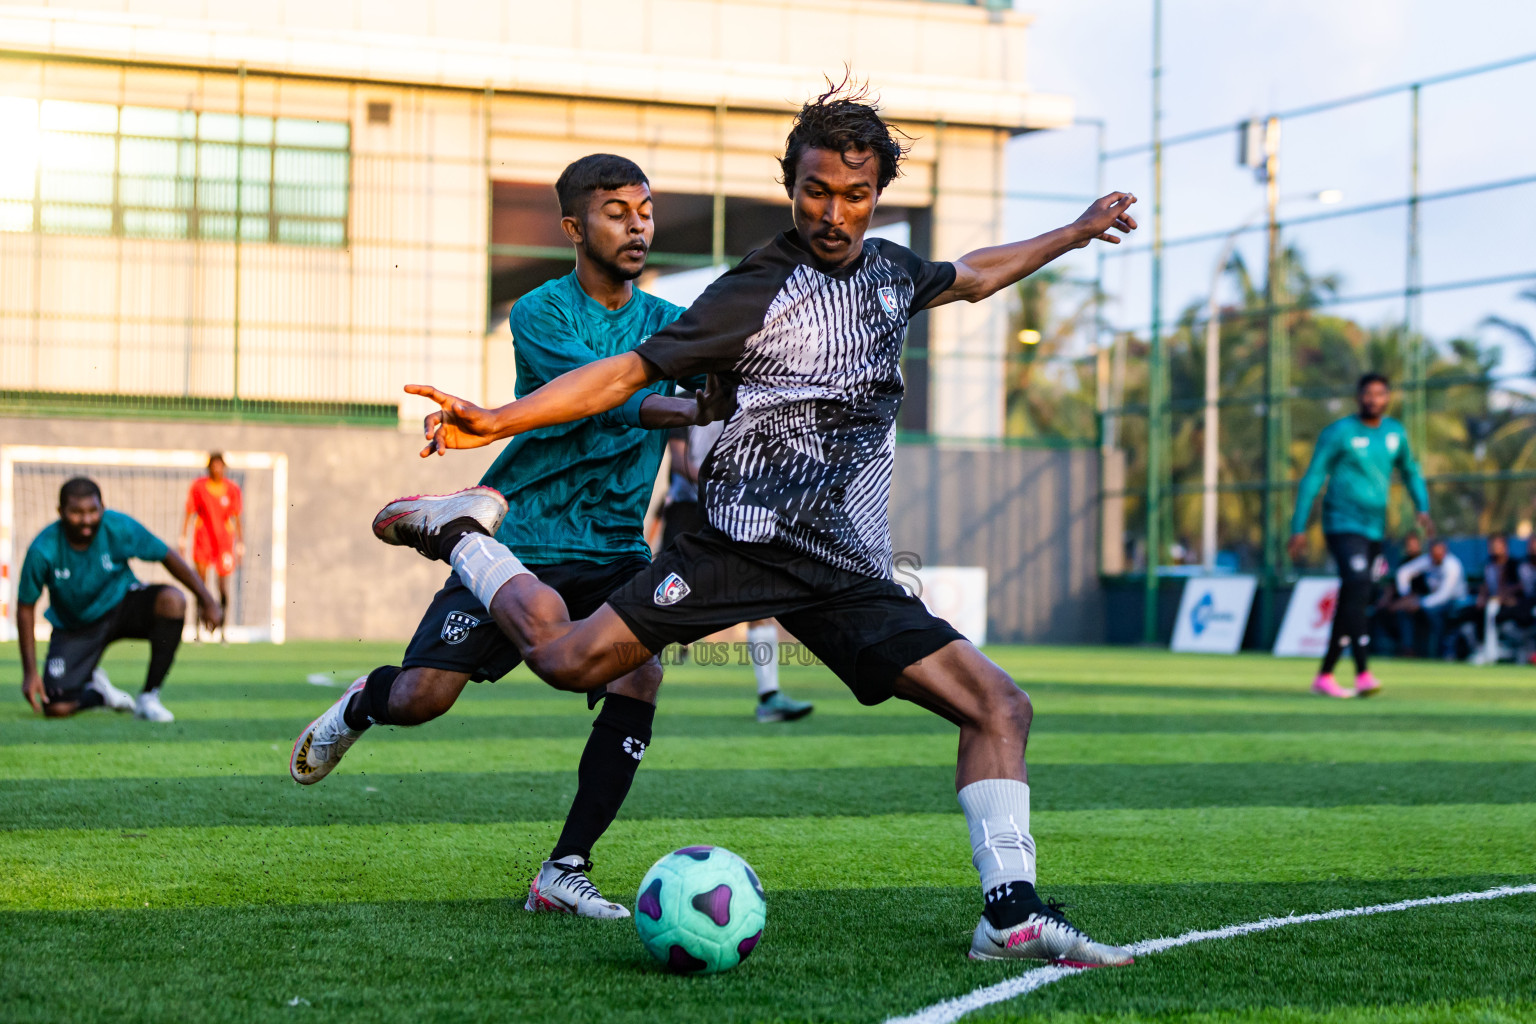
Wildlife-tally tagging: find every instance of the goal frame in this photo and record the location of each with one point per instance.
(275, 631)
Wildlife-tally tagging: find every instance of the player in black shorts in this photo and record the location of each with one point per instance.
(579, 495)
(810, 328)
(81, 560)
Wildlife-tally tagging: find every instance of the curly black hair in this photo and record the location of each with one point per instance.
(603, 172)
(845, 118)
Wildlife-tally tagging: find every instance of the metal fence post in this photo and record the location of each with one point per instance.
(1155, 369)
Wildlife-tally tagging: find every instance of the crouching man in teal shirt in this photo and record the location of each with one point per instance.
(577, 493)
(1356, 456)
(95, 599)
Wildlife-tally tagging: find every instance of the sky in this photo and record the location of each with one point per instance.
(1225, 61)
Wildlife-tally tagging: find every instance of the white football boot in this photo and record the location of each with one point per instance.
(149, 708)
(319, 747)
(1044, 935)
(415, 521)
(562, 887)
(111, 696)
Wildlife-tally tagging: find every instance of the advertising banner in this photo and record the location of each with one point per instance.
(1308, 618)
(1213, 614)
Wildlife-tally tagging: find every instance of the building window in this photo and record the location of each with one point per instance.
(149, 172)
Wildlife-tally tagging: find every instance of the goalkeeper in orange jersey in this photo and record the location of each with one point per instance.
(217, 540)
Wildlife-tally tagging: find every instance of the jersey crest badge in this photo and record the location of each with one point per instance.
(889, 301)
(671, 590)
(1393, 441)
(456, 627)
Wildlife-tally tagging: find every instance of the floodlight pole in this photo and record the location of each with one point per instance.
(1276, 386)
(1155, 371)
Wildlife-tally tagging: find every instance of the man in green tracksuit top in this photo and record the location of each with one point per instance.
(577, 495)
(1356, 456)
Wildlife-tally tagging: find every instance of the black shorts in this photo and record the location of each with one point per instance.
(866, 630)
(679, 518)
(1358, 557)
(457, 634)
(73, 654)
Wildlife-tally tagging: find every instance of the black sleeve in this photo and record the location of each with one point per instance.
(710, 335)
(929, 280)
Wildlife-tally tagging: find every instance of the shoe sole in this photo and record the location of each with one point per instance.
(1049, 963)
(384, 520)
(303, 740)
(1368, 692)
(783, 716)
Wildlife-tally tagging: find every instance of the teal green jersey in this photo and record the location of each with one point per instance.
(578, 491)
(1357, 463)
(85, 585)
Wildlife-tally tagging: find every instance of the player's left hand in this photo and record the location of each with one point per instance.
(458, 424)
(716, 402)
(1109, 213)
(32, 689)
(1426, 524)
(211, 615)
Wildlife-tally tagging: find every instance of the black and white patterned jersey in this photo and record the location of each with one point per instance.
(805, 462)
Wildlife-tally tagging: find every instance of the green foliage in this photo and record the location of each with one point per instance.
(1477, 428)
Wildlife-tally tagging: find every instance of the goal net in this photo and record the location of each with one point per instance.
(150, 484)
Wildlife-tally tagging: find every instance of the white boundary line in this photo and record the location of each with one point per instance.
(175, 458)
(951, 1010)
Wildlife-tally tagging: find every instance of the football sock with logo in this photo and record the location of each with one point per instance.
(620, 734)
(997, 815)
(370, 705)
(484, 565)
(164, 638)
(763, 643)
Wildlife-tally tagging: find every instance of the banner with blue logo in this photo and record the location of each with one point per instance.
(1213, 614)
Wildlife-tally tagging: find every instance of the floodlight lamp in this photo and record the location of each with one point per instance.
(1029, 337)
(1330, 196)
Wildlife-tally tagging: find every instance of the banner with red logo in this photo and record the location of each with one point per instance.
(1308, 618)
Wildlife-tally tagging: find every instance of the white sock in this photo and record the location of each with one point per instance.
(763, 643)
(484, 565)
(997, 813)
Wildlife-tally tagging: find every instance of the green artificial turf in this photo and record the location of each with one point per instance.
(156, 873)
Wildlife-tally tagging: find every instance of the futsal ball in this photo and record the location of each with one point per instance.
(700, 910)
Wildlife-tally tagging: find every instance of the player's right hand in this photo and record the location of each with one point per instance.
(458, 424)
(1297, 546)
(32, 689)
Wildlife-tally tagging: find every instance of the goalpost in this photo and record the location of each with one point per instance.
(151, 485)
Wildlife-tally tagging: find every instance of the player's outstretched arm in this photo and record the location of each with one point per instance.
(987, 271)
(582, 392)
(208, 608)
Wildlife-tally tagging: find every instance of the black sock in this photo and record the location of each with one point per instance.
(619, 737)
(164, 638)
(449, 536)
(1360, 647)
(370, 705)
(89, 698)
(1010, 903)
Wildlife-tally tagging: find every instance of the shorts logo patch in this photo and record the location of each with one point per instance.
(634, 748)
(671, 590)
(55, 667)
(1357, 563)
(456, 627)
(889, 301)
